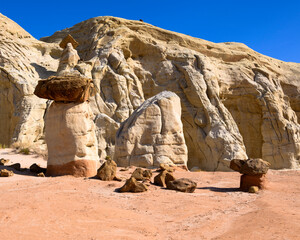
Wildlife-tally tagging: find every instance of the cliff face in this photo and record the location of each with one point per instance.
(235, 102)
(23, 60)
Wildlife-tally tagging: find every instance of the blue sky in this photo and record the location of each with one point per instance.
(269, 27)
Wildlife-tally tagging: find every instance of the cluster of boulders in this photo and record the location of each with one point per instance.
(34, 168)
(253, 173)
(140, 179)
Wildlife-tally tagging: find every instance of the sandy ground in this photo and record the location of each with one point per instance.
(76, 208)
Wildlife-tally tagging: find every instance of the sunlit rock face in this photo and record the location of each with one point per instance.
(153, 134)
(236, 103)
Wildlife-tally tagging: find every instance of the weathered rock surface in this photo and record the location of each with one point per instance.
(153, 134)
(182, 185)
(6, 173)
(23, 61)
(71, 140)
(236, 103)
(255, 166)
(132, 185)
(248, 181)
(163, 178)
(70, 88)
(107, 171)
(3, 161)
(141, 174)
(253, 189)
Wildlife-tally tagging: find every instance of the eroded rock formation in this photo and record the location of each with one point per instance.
(152, 134)
(236, 103)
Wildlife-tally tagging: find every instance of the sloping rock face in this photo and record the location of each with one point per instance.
(152, 134)
(23, 61)
(236, 103)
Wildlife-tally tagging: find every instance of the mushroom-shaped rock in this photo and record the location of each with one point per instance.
(107, 171)
(182, 185)
(253, 170)
(132, 185)
(248, 181)
(153, 134)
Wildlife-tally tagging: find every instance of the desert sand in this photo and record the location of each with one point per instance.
(87, 208)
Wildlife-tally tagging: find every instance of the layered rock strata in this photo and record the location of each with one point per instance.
(69, 129)
(71, 140)
(236, 103)
(153, 134)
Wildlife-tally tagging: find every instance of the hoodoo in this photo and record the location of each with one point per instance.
(69, 128)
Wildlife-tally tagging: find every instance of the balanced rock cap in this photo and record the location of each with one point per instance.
(68, 39)
(254, 166)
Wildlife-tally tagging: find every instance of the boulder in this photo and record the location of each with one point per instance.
(107, 171)
(35, 168)
(255, 166)
(132, 185)
(182, 185)
(253, 189)
(6, 173)
(71, 140)
(41, 174)
(166, 167)
(141, 174)
(163, 178)
(70, 88)
(248, 181)
(153, 134)
(3, 161)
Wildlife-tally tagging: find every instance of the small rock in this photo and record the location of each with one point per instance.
(253, 189)
(132, 185)
(163, 177)
(6, 173)
(35, 168)
(3, 161)
(41, 174)
(166, 167)
(182, 185)
(248, 181)
(140, 174)
(107, 171)
(16, 166)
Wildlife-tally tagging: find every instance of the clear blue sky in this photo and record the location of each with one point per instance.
(269, 27)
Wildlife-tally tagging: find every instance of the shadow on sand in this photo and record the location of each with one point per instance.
(216, 189)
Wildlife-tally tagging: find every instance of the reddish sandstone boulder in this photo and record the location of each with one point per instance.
(248, 181)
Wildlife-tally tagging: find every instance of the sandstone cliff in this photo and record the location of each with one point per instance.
(235, 102)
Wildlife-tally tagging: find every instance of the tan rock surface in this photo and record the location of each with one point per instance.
(153, 134)
(236, 103)
(71, 140)
(23, 61)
